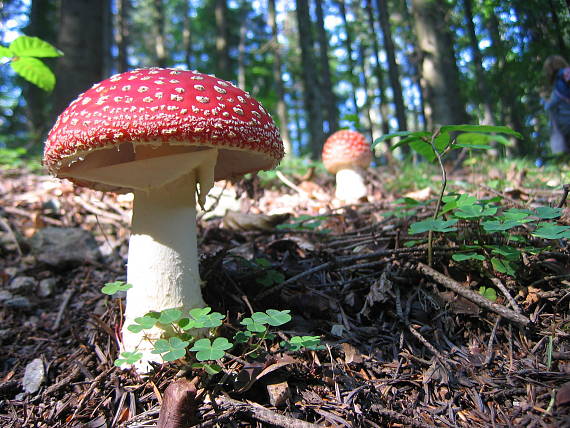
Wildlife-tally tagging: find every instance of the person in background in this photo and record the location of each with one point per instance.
(557, 73)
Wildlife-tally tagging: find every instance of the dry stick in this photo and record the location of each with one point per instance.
(6, 226)
(290, 184)
(473, 296)
(87, 393)
(506, 293)
(262, 414)
(65, 301)
(566, 189)
(399, 417)
(489, 356)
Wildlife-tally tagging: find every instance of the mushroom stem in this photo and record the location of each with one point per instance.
(163, 258)
(350, 185)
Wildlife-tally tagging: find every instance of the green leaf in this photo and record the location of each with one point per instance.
(253, 326)
(243, 336)
(488, 293)
(433, 225)
(171, 349)
(272, 317)
(144, 323)
(551, 231)
(34, 71)
(6, 53)
(33, 46)
(211, 369)
(111, 288)
(128, 358)
(548, 213)
(475, 211)
(394, 134)
(509, 253)
(298, 342)
(481, 128)
(201, 318)
(460, 257)
(169, 316)
(499, 226)
(503, 266)
(423, 148)
(207, 350)
(454, 201)
(517, 214)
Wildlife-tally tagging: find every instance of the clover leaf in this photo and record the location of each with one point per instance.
(436, 225)
(171, 349)
(128, 358)
(111, 288)
(144, 323)
(207, 350)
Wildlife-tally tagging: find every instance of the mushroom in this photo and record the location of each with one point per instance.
(165, 135)
(347, 153)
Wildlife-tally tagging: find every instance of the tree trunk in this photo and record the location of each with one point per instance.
(80, 38)
(378, 72)
(41, 25)
(278, 81)
(160, 22)
(393, 71)
(187, 34)
(365, 86)
(311, 94)
(348, 47)
(480, 77)
(329, 98)
(242, 53)
(122, 34)
(440, 75)
(222, 45)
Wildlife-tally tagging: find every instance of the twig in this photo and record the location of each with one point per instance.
(473, 296)
(65, 301)
(87, 393)
(290, 184)
(549, 278)
(506, 293)
(6, 226)
(566, 190)
(262, 414)
(489, 356)
(399, 417)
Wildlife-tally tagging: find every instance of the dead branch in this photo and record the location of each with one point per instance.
(473, 296)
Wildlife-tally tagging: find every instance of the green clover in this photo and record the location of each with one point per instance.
(207, 350)
(111, 288)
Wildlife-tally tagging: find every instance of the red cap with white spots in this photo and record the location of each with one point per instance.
(172, 111)
(346, 149)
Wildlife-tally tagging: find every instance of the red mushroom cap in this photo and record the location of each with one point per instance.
(346, 149)
(166, 109)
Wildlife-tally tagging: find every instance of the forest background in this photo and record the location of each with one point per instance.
(376, 66)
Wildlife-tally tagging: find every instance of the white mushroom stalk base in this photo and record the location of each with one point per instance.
(163, 256)
(163, 260)
(350, 185)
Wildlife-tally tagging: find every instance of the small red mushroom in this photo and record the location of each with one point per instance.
(165, 135)
(347, 154)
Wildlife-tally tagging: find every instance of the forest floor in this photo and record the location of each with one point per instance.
(401, 347)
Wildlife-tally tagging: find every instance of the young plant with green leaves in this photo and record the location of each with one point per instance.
(22, 55)
(179, 343)
(487, 233)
